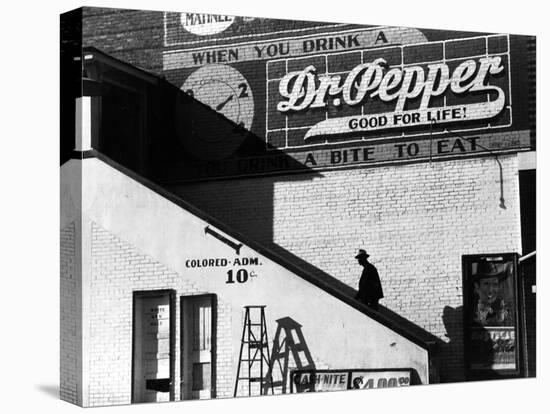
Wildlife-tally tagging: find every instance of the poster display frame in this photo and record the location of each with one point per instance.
(475, 374)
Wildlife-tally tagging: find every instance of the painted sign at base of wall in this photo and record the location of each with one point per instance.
(337, 380)
(386, 379)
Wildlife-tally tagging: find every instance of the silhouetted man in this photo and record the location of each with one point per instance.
(370, 288)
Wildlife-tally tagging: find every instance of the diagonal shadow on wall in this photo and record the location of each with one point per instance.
(163, 134)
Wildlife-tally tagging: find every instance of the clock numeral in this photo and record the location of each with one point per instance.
(244, 90)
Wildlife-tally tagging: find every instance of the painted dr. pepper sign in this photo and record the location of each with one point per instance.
(389, 92)
(318, 96)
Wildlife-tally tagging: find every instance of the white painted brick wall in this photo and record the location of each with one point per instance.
(119, 268)
(415, 220)
(69, 314)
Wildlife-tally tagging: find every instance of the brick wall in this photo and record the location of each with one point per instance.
(415, 220)
(69, 375)
(119, 267)
(134, 36)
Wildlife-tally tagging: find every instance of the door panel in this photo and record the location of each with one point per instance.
(152, 348)
(197, 347)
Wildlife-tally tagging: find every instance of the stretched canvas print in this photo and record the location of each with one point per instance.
(252, 206)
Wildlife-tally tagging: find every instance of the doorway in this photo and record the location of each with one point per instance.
(153, 339)
(198, 347)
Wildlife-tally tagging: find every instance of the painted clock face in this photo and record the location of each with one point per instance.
(225, 90)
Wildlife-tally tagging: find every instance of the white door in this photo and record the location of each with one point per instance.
(151, 348)
(196, 347)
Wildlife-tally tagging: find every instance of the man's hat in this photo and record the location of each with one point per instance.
(362, 253)
(487, 269)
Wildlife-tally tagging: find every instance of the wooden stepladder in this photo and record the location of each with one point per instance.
(288, 341)
(254, 355)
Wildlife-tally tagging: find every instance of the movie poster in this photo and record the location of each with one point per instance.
(492, 344)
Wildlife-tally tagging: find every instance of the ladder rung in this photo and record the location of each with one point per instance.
(251, 379)
(255, 344)
(254, 324)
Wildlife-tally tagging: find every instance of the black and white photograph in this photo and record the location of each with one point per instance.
(286, 206)
(255, 206)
